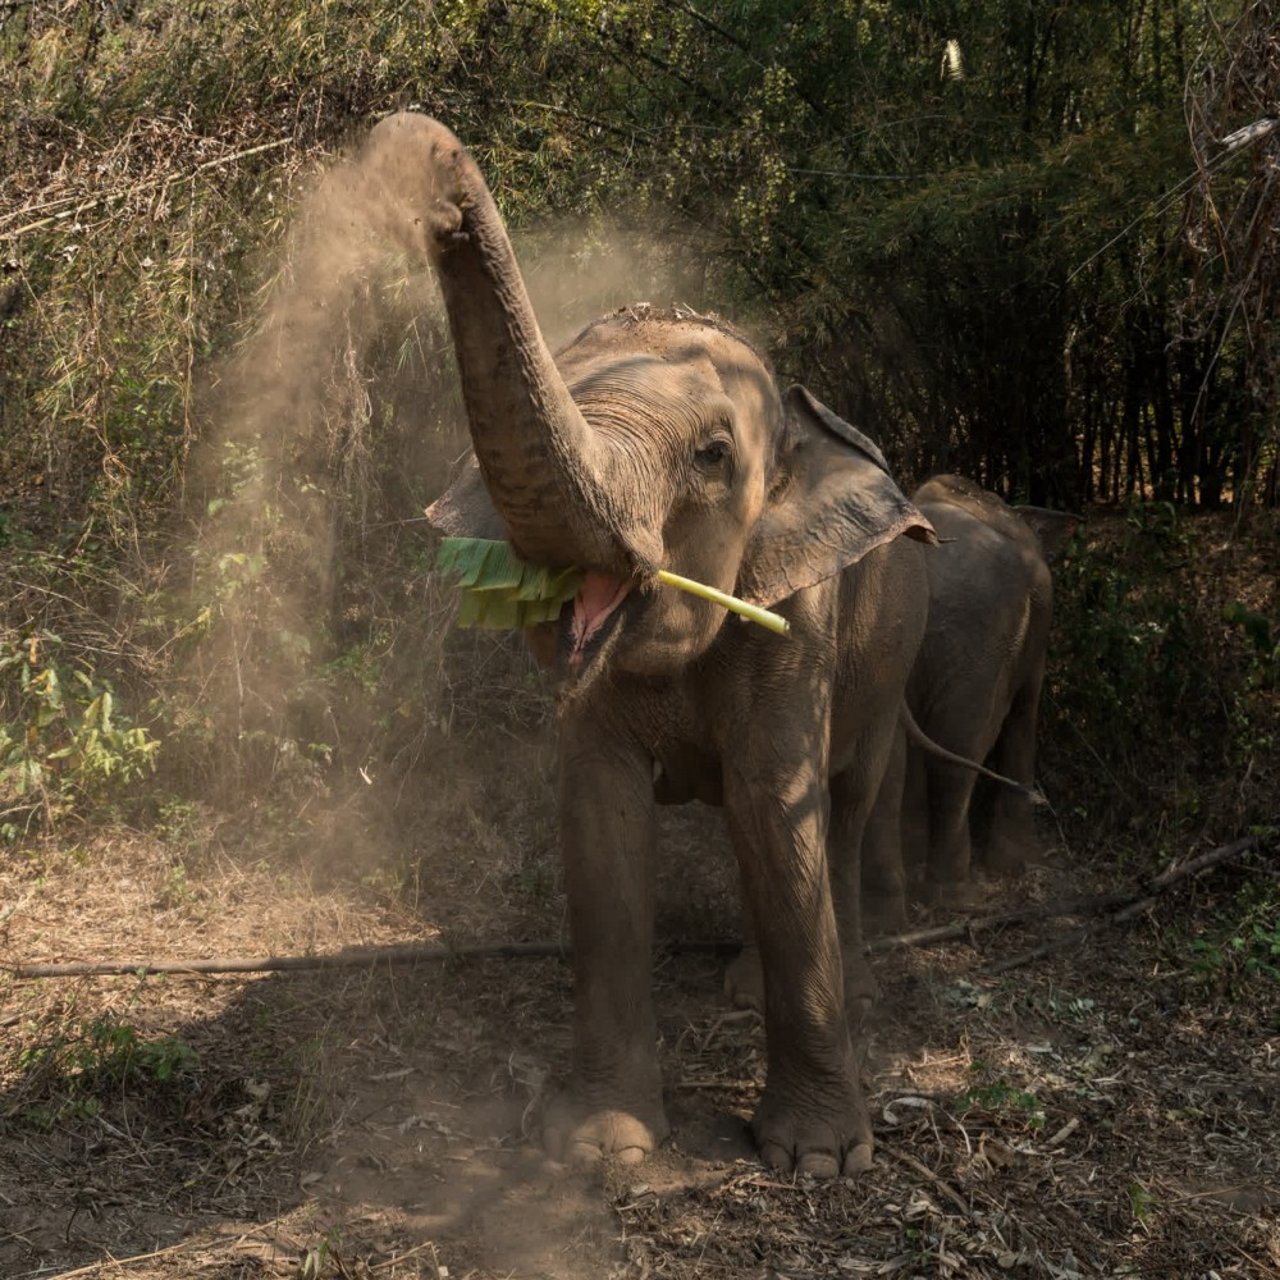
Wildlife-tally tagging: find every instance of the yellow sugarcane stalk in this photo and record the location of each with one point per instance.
(753, 613)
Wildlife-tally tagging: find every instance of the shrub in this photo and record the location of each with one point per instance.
(66, 743)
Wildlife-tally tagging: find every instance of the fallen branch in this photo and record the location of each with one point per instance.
(1131, 906)
(980, 924)
(354, 959)
(925, 1172)
(427, 952)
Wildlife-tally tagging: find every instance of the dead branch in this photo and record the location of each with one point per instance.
(425, 952)
(925, 1172)
(352, 959)
(1129, 905)
(964, 929)
(428, 952)
(1133, 906)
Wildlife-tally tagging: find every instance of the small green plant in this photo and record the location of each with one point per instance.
(107, 1049)
(1000, 1097)
(1141, 1203)
(68, 1073)
(65, 742)
(1264, 643)
(313, 1262)
(1077, 1008)
(1251, 947)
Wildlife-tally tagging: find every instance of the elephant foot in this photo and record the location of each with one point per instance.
(883, 912)
(1003, 856)
(953, 895)
(578, 1132)
(822, 1132)
(744, 980)
(744, 983)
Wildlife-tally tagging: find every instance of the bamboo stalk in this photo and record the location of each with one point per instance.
(752, 612)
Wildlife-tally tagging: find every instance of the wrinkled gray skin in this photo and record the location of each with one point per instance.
(975, 689)
(660, 440)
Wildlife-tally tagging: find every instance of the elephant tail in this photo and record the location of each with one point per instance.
(916, 735)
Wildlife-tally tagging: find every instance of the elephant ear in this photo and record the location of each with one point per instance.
(832, 500)
(464, 509)
(1053, 528)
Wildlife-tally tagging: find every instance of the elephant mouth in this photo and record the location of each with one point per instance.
(597, 610)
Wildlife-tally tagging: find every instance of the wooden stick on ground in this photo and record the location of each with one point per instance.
(435, 951)
(427, 952)
(1134, 906)
(925, 1172)
(365, 957)
(354, 959)
(979, 924)
(1129, 905)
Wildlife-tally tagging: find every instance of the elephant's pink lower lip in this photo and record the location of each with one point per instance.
(597, 599)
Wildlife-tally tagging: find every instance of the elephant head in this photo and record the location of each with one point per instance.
(656, 439)
(1053, 530)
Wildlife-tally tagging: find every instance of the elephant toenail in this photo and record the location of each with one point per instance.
(818, 1164)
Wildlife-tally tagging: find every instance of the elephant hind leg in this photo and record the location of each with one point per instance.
(947, 877)
(1010, 839)
(872, 885)
(848, 835)
(884, 872)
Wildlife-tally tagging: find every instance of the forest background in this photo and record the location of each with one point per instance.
(1031, 242)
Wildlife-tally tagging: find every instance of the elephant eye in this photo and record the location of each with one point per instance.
(713, 453)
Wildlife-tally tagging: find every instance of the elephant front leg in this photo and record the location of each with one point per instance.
(812, 1117)
(613, 1103)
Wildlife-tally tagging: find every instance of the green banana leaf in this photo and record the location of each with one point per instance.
(501, 592)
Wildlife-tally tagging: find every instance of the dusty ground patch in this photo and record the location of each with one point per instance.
(1108, 1113)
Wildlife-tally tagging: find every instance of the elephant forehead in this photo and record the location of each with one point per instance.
(670, 380)
(693, 343)
(640, 375)
(639, 392)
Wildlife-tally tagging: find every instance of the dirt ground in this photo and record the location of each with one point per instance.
(1110, 1112)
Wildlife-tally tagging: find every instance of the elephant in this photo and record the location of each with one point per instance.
(659, 438)
(974, 689)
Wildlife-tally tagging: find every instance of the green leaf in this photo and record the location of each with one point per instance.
(499, 590)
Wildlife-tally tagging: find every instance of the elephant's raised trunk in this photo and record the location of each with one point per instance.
(540, 460)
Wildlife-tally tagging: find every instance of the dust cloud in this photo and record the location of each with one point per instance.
(330, 703)
(325, 658)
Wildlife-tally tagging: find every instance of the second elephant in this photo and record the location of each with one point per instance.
(974, 689)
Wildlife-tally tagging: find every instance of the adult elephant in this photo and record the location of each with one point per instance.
(974, 689)
(658, 439)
